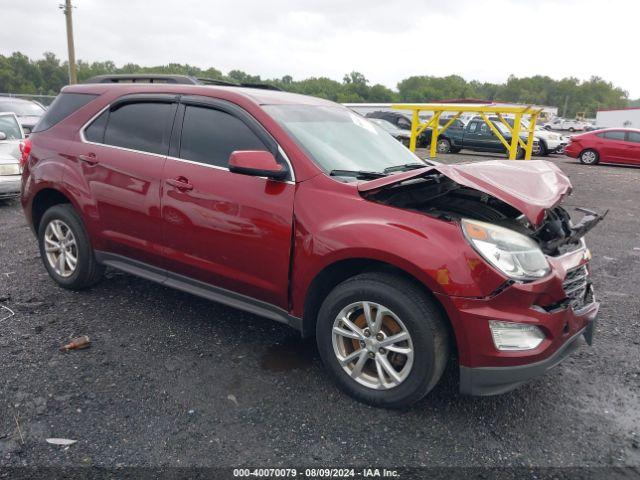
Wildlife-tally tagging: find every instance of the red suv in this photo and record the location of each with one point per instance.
(297, 209)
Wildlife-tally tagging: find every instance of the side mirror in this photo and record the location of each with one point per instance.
(257, 163)
(3, 136)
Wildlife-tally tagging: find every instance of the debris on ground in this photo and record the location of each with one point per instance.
(77, 343)
(61, 441)
(3, 313)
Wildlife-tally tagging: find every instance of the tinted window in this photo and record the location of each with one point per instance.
(634, 137)
(484, 129)
(139, 126)
(614, 135)
(95, 131)
(9, 126)
(209, 136)
(473, 126)
(63, 106)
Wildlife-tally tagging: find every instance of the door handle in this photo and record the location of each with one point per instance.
(89, 159)
(180, 183)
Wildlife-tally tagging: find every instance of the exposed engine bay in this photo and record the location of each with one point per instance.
(439, 196)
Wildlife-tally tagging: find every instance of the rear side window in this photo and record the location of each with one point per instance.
(138, 126)
(634, 137)
(209, 136)
(63, 106)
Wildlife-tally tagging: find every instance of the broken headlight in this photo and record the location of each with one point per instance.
(514, 254)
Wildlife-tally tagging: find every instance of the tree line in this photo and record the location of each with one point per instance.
(47, 75)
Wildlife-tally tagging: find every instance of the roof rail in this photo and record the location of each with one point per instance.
(170, 78)
(143, 78)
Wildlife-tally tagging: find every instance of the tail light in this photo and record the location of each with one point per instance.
(25, 150)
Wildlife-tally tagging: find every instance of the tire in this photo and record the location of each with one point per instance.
(408, 309)
(544, 151)
(520, 153)
(56, 222)
(571, 129)
(537, 152)
(589, 157)
(443, 145)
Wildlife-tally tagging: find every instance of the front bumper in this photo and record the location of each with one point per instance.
(495, 380)
(562, 305)
(9, 186)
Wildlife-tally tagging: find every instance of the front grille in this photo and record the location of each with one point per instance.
(577, 287)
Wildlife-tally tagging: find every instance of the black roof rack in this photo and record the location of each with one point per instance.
(169, 78)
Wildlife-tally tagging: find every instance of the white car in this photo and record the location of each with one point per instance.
(564, 124)
(11, 134)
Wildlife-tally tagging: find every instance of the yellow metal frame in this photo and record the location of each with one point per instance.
(417, 127)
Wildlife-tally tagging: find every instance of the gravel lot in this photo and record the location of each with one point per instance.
(173, 380)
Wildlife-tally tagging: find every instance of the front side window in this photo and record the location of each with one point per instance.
(614, 135)
(209, 136)
(139, 126)
(335, 138)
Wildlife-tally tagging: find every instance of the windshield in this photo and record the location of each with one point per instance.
(22, 109)
(338, 139)
(10, 127)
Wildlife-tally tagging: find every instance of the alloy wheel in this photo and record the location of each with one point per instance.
(372, 345)
(61, 248)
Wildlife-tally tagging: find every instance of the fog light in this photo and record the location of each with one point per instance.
(515, 336)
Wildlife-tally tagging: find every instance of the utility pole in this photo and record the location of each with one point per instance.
(67, 9)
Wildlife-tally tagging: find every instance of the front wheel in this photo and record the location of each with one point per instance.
(383, 339)
(65, 249)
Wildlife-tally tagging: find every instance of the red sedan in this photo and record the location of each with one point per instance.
(611, 145)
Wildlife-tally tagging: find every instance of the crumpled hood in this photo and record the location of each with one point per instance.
(531, 186)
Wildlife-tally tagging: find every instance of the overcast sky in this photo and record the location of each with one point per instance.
(385, 40)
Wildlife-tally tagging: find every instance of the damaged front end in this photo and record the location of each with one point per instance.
(511, 215)
(527, 202)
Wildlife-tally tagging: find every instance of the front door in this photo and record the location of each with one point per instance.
(226, 229)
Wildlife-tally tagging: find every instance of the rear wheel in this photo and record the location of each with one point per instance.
(589, 157)
(443, 145)
(383, 340)
(65, 249)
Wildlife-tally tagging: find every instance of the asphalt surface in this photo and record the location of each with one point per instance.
(173, 380)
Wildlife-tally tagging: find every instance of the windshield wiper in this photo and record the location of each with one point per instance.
(404, 167)
(357, 173)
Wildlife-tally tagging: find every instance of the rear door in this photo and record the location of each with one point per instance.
(633, 148)
(121, 159)
(614, 146)
(226, 229)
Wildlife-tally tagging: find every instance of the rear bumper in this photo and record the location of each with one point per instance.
(485, 381)
(9, 186)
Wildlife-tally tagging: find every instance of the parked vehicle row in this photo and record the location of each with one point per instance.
(299, 210)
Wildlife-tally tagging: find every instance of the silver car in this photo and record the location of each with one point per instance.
(11, 134)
